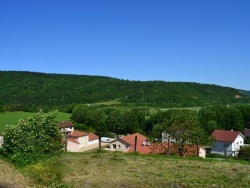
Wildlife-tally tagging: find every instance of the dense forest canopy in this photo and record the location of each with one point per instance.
(24, 90)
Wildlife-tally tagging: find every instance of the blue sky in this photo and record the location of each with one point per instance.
(204, 41)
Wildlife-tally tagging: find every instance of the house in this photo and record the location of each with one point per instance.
(66, 126)
(93, 139)
(77, 140)
(165, 137)
(231, 141)
(127, 144)
(1, 141)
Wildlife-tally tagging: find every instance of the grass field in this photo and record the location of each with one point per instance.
(11, 118)
(112, 169)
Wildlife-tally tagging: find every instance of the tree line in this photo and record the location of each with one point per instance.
(143, 120)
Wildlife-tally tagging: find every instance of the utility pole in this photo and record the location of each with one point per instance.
(168, 145)
(135, 143)
(99, 137)
(225, 149)
(197, 146)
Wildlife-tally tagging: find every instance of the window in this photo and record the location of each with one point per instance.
(119, 146)
(114, 146)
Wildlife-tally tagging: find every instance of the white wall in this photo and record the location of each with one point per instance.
(83, 141)
(118, 146)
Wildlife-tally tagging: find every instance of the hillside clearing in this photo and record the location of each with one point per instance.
(11, 118)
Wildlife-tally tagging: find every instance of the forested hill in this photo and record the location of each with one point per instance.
(41, 89)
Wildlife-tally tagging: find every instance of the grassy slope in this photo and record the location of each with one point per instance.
(111, 169)
(10, 177)
(11, 118)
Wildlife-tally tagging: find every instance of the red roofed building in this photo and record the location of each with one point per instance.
(231, 141)
(127, 144)
(78, 139)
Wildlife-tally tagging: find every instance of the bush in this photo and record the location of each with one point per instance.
(32, 139)
(244, 153)
(214, 155)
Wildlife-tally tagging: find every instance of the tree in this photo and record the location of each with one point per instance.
(184, 127)
(32, 139)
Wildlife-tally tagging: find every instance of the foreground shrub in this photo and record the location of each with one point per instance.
(244, 153)
(32, 139)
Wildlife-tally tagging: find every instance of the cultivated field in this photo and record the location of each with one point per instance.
(11, 118)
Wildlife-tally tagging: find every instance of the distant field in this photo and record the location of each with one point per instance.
(11, 118)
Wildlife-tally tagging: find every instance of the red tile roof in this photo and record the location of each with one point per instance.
(130, 140)
(73, 140)
(92, 136)
(65, 124)
(77, 134)
(223, 135)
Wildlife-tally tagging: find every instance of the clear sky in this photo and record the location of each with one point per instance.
(204, 41)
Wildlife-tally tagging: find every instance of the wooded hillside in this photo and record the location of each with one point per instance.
(40, 89)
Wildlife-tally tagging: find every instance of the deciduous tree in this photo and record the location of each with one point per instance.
(32, 139)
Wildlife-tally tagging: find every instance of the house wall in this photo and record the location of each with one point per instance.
(96, 141)
(119, 146)
(202, 153)
(239, 141)
(72, 146)
(218, 148)
(83, 141)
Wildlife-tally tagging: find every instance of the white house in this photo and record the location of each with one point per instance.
(66, 126)
(229, 140)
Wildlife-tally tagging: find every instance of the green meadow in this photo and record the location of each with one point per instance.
(11, 118)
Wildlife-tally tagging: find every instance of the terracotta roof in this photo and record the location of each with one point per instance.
(77, 134)
(130, 140)
(223, 135)
(73, 140)
(92, 136)
(65, 124)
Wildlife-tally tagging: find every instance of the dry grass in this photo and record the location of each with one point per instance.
(114, 169)
(10, 177)
(121, 170)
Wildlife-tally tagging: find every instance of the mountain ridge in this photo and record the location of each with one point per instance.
(53, 89)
